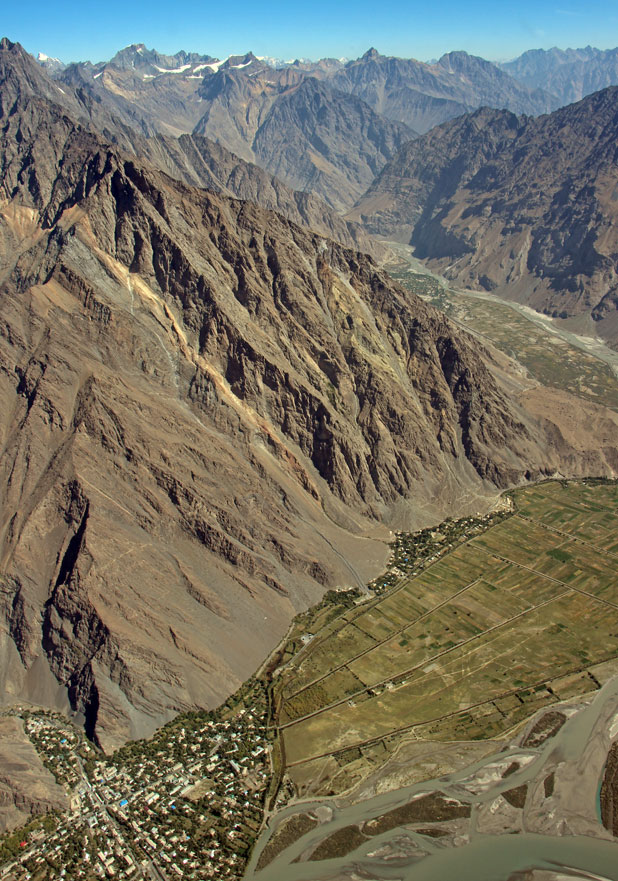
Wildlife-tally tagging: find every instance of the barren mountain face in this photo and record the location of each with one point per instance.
(569, 74)
(424, 95)
(26, 785)
(312, 136)
(194, 159)
(208, 415)
(524, 205)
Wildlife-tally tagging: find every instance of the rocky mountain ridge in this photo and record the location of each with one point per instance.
(424, 95)
(324, 127)
(524, 206)
(208, 416)
(569, 74)
(192, 158)
(314, 138)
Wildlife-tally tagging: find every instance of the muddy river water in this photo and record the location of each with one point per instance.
(565, 838)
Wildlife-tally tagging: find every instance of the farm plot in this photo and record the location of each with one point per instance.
(517, 618)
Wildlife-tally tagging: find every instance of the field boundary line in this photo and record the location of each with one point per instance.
(569, 535)
(426, 661)
(403, 729)
(549, 577)
(382, 641)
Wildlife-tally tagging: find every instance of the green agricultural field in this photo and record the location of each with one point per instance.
(516, 618)
(549, 358)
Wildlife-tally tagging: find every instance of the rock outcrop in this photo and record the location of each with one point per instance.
(208, 415)
(526, 206)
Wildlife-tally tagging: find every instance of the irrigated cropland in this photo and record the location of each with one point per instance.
(516, 617)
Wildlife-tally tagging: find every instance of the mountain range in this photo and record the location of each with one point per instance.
(569, 74)
(324, 126)
(210, 414)
(424, 95)
(516, 204)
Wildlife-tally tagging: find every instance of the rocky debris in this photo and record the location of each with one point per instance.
(524, 206)
(208, 416)
(27, 788)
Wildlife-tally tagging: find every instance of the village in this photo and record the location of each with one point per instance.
(190, 801)
(413, 551)
(187, 803)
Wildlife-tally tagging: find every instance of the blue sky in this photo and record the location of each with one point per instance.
(497, 30)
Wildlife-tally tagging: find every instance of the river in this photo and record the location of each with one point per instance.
(576, 755)
(593, 346)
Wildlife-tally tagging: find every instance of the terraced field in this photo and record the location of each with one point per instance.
(521, 616)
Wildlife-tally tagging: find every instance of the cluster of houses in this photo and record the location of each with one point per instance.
(414, 551)
(186, 804)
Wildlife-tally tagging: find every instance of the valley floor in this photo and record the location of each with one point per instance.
(466, 671)
(473, 694)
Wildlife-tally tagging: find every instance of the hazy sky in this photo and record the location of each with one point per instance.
(495, 29)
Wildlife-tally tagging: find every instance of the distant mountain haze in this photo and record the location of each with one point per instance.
(568, 74)
(209, 414)
(525, 206)
(250, 106)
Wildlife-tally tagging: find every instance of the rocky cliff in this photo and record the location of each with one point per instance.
(208, 415)
(526, 206)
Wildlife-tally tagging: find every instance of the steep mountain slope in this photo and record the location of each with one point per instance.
(148, 61)
(166, 104)
(525, 205)
(321, 127)
(153, 92)
(311, 136)
(569, 74)
(191, 158)
(201, 162)
(26, 786)
(164, 91)
(208, 415)
(235, 105)
(144, 89)
(21, 77)
(51, 65)
(424, 95)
